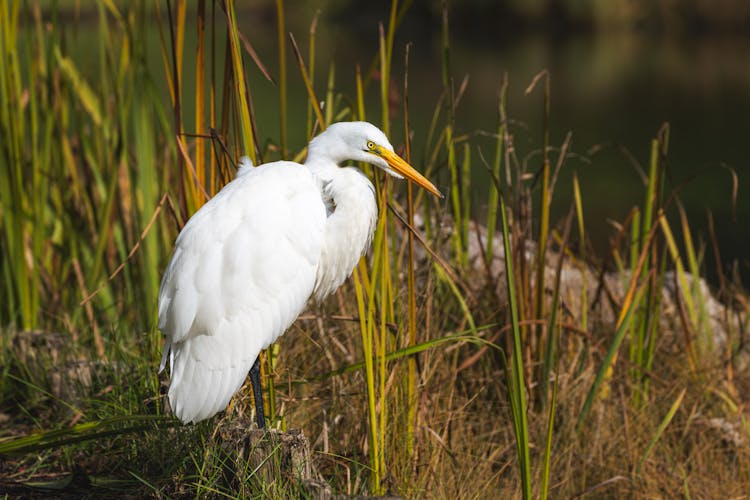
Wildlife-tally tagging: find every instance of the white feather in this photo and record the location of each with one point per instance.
(237, 281)
(245, 265)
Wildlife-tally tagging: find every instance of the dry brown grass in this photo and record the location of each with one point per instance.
(88, 399)
(465, 442)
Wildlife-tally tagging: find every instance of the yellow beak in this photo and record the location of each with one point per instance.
(400, 166)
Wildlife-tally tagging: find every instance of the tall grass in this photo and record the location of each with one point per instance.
(456, 350)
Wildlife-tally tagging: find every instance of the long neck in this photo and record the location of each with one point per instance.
(352, 214)
(326, 151)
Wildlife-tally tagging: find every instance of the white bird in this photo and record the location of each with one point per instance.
(246, 263)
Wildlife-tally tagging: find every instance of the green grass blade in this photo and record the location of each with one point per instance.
(314, 102)
(281, 30)
(660, 430)
(516, 384)
(470, 335)
(548, 441)
(492, 198)
(240, 87)
(82, 432)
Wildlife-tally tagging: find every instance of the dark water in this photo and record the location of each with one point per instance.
(611, 91)
(618, 91)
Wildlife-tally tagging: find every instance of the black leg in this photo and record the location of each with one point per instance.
(257, 394)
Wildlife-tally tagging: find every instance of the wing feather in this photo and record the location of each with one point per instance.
(242, 270)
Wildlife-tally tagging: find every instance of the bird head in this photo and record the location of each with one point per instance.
(363, 141)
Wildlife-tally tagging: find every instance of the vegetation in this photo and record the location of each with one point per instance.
(442, 368)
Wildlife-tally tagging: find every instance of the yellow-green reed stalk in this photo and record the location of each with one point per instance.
(544, 201)
(361, 112)
(386, 295)
(660, 430)
(687, 295)
(363, 285)
(370, 347)
(240, 88)
(469, 335)
(700, 316)
(492, 198)
(358, 277)
(147, 186)
(213, 166)
(458, 245)
(653, 329)
(584, 312)
(200, 105)
(554, 328)
(650, 206)
(180, 33)
(465, 192)
(515, 376)
(311, 63)
(280, 24)
(386, 56)
(330, 93)
(600, 387)
(635, 251)
(378, 305)
(173, 67)
(308, 84)
(552, 342)
(650, 201)
(17, 205)
(455, 190)
(431, 156)
(548, 442)
(644, 324)
(386, 314)
(411, 381)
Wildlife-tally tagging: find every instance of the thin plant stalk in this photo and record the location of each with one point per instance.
(281, 30)
(492, 198)
(411, 384)
(200, 126)
(240, 88)
(516, 383)
(660, 430)
(582, 242)
(308, 84)
(632, 299)
(311, 59)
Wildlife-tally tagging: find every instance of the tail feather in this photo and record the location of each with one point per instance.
(199, 388)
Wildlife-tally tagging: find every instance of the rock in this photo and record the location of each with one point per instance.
(714, 323)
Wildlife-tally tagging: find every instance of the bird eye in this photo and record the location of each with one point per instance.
(370, 145)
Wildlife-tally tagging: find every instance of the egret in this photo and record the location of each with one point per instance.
(246, 264)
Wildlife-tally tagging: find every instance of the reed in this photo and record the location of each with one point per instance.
(458, 360)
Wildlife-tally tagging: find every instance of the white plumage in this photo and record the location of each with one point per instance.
(245, 265)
